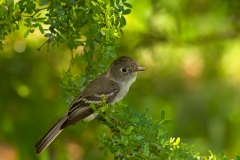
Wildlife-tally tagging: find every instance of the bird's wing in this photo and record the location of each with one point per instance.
(79, 109)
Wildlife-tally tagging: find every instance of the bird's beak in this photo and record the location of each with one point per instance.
(140, 68)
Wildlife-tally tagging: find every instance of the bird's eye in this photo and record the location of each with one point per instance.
(124, 70)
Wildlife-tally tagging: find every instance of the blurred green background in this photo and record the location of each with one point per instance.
(191, 50)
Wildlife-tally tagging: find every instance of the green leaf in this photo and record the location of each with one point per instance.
(103, 31)
(31, 30)
(26, 33)
(112, 54)
(3, 11)
(38, 14)
(78, 10)
(98, 37)
(146, 149)
(95, 43)
(122, 138)
(94, 3)
(69, 100)
(127, 11)
(134, 119)
(106, 153)
(121, 31)
(166, 121)
(121, 8)
(138, 137)
(60, 11)
(110, 48)
(96, 17)
(48, 35)
(210, 153)
(123, 21)
(27, 24)
(79, 43)
(129, 130)
(127, 5)
(28, 20)
(61, 84)
(83, 80)
(43, 2)
(35, 25)
(64, 24)
(41, 18)
(121, 129)
(92, 105)
(41, 29)
(126, 132)
(107, 36)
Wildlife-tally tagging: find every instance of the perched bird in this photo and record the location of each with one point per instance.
(112, 84)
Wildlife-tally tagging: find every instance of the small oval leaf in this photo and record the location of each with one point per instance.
(41, 29)
(26, 33)
(127, 11)
(127, 5)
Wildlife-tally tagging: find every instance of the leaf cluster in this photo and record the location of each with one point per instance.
(135, 135)
(76, 23)
(93, 25)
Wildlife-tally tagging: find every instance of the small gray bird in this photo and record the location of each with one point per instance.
(113, 84)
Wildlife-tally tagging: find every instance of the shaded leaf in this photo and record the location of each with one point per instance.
(26, 33)
(41, 29)
(43, 2)
(127, 11)
(127, 5)
(123, 21)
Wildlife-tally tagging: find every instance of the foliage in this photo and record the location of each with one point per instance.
(134, 135)
(97, 30)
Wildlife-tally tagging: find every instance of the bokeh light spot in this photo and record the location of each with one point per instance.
(230, 61)
(75, 151)
(19, 46)
(23, 91)
(193, 65)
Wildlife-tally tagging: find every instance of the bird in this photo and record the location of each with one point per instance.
(112, 84)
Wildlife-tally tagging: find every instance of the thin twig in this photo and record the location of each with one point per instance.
(36, 11)
(48, 41)
(69, 69)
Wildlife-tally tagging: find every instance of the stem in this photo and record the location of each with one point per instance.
(69, 69)
(48, 41)
(36, 11)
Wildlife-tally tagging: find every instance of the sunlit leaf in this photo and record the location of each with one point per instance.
(146, 149)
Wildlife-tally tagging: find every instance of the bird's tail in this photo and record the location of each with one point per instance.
(49, 136)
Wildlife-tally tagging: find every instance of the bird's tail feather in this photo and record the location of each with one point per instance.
(49, 136)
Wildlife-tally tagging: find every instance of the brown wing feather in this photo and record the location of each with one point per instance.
(81, 109)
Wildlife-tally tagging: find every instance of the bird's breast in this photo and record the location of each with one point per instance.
(124, 89)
